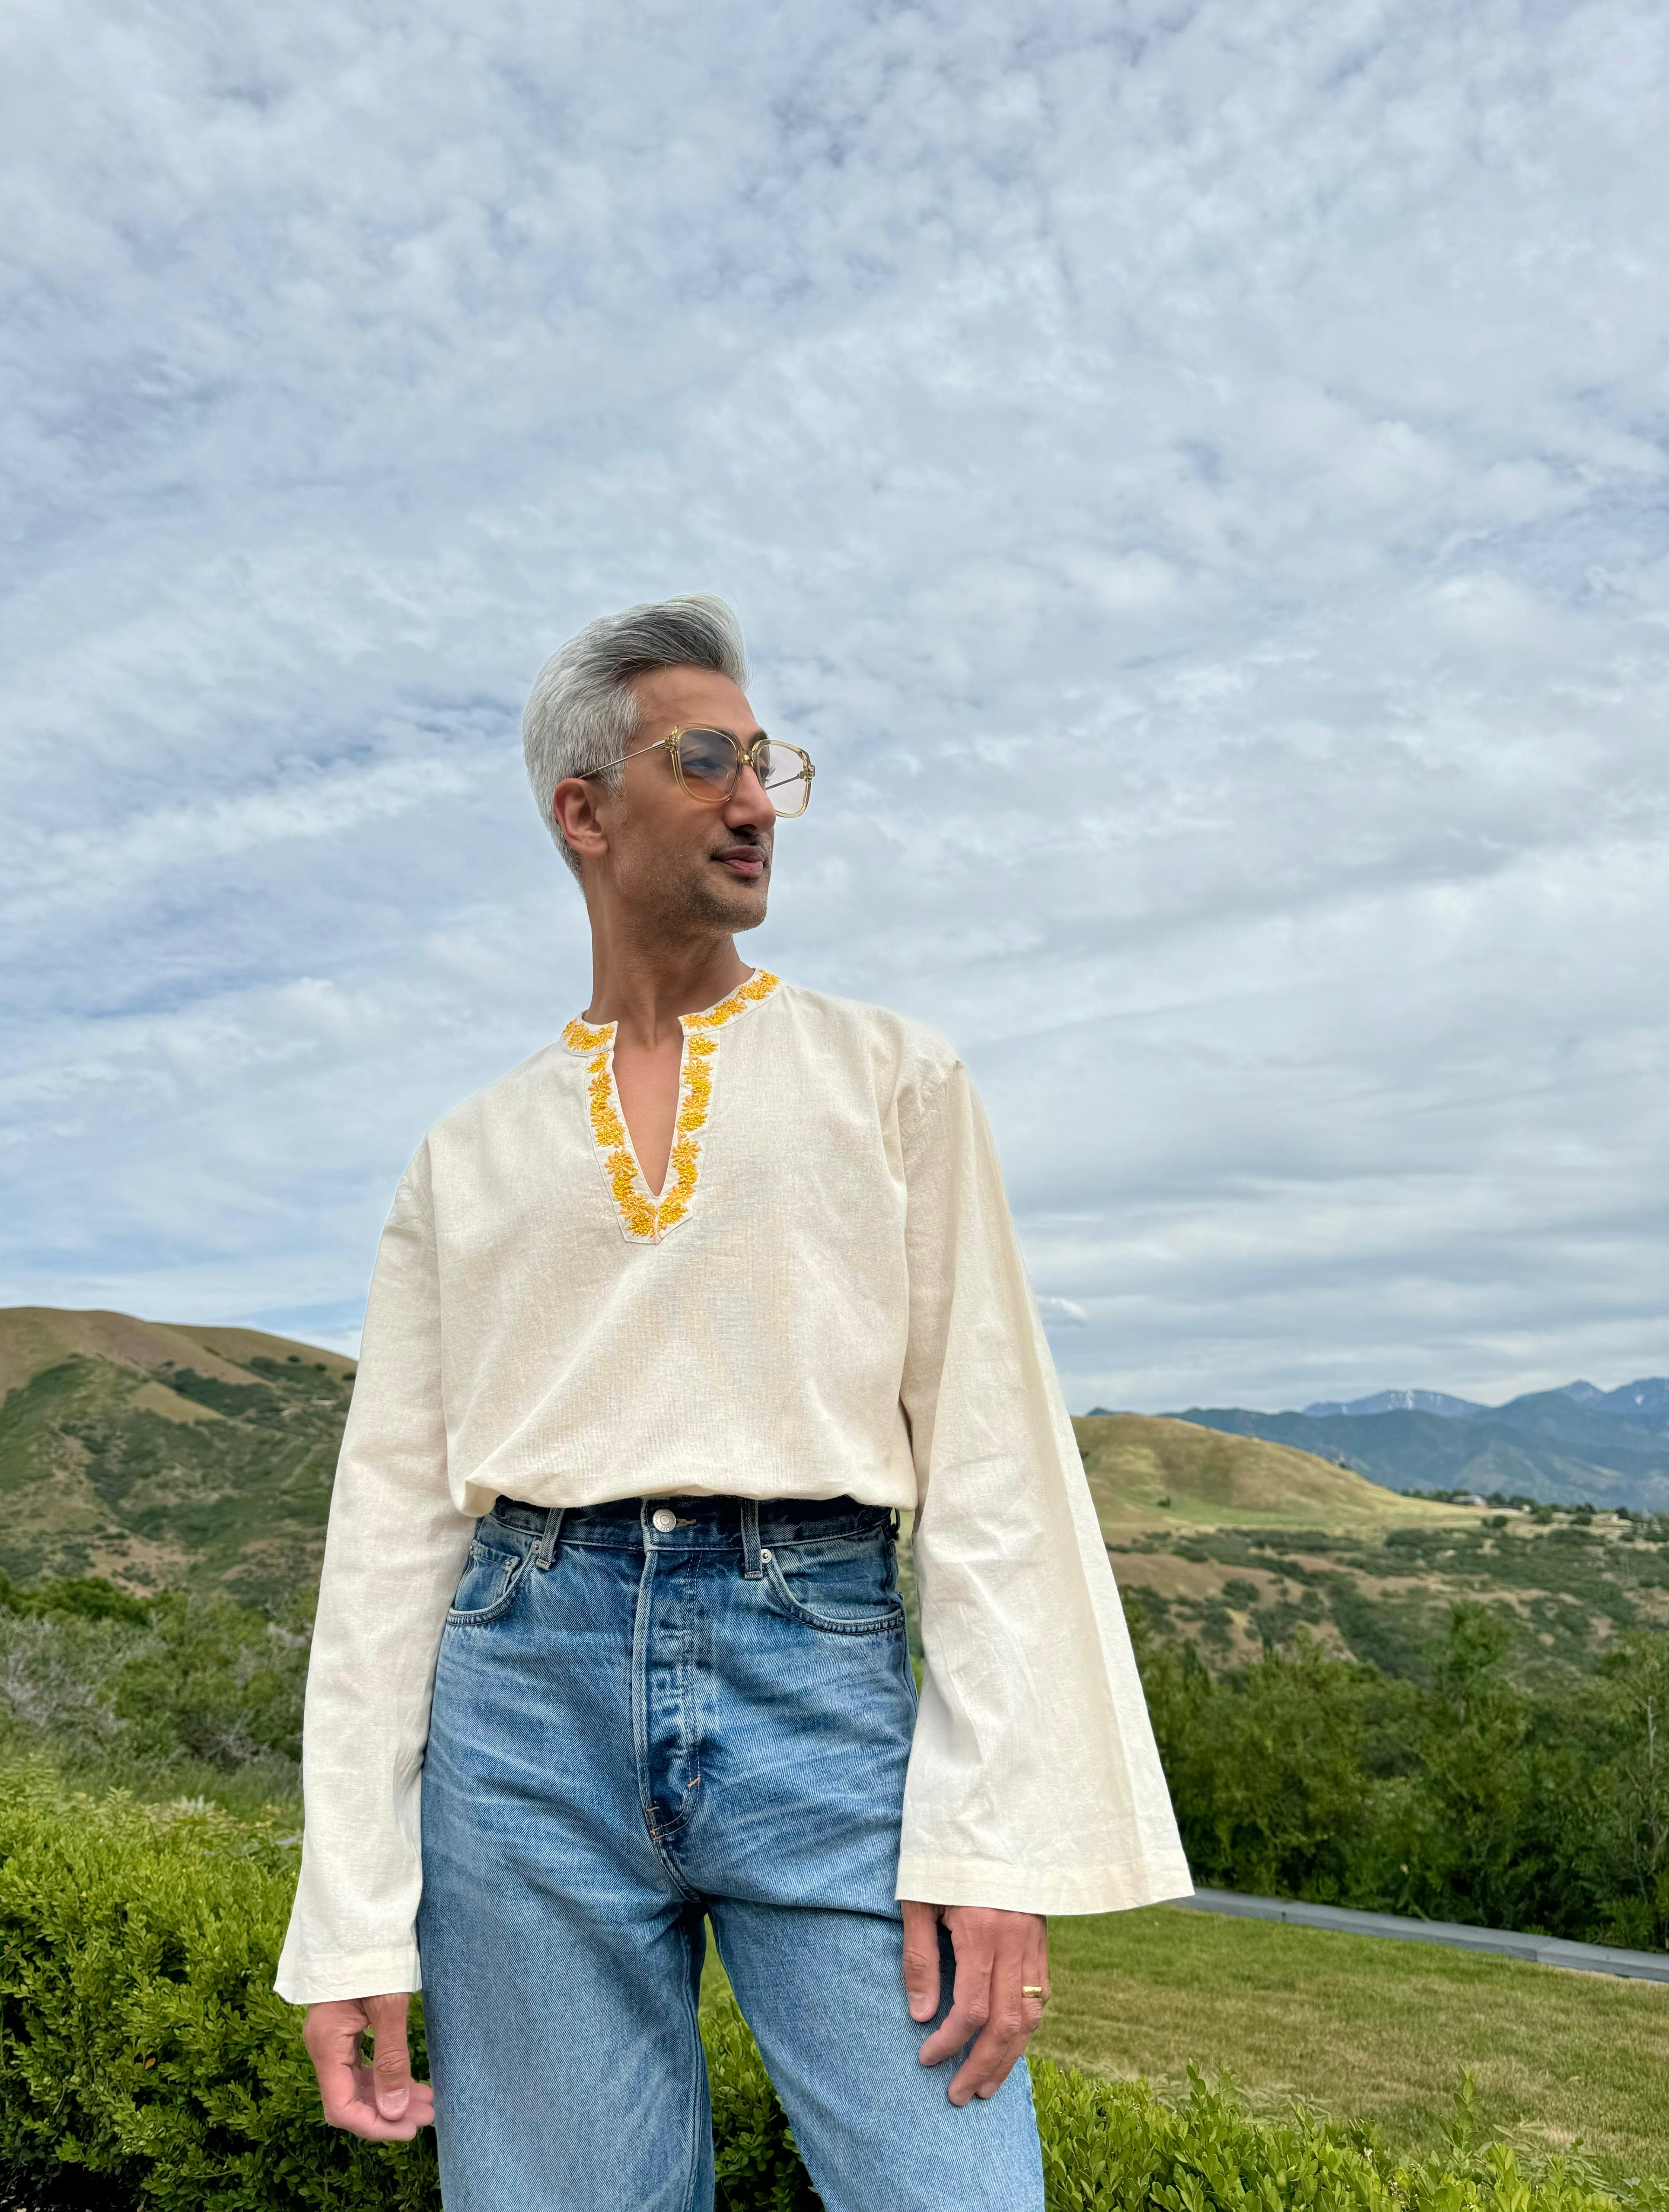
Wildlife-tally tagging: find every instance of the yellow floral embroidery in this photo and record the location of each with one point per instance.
(579, 1037)
(644, 1219)
(757, 987)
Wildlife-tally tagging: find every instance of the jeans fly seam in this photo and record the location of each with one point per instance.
(660, 1831)
(640, 1691)
(687, 1699)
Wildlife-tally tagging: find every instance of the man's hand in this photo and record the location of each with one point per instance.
(998, 1956)
(380, 2101)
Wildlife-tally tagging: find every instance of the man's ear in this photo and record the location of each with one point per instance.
(573, 811)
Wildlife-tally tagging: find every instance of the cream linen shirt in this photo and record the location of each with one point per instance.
(825, 1299)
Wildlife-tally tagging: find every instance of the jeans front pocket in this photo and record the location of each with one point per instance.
(487, 1588)
(845, 1587)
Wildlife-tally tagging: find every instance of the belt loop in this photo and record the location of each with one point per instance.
(752, 1571)
(547, 1542)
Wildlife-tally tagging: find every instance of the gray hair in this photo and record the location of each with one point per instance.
(581, 711)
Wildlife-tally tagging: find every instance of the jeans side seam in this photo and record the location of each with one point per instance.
(697, 2080)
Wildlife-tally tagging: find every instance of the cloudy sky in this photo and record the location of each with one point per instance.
(1191, 474)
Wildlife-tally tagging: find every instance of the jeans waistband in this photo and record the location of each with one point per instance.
(699, 1523)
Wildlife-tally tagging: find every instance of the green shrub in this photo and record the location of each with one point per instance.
(144, 2061)
(216, 1682)
(757, 2166)
(140, 2039)
(81, 1597)
(1464, 1797)
(167, 1695)
(1115, 2146)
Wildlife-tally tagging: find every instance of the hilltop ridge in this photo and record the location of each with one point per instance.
(33, 1338)
(155, 1453)
(161, 1452)
(1150, 1471)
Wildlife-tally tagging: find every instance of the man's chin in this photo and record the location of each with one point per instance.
(732, 902)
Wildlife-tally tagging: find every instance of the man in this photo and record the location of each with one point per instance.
(667, 1327)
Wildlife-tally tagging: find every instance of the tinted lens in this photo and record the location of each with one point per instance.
(785, 773)
(709, 759)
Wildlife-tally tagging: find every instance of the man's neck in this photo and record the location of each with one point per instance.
(644, 988)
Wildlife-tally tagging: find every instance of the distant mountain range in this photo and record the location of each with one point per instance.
(1641, 1405)
(1610, 1447)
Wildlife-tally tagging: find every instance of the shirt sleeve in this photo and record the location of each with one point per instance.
(1034, 1783)
(392, 1555)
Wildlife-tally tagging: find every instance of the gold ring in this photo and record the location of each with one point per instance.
(1031, 1990)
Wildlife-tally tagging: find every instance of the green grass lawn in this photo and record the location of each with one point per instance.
(1363, 2029)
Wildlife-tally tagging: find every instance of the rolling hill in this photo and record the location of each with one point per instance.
(1149, 1471)
(159, 1454)
(156, 1454)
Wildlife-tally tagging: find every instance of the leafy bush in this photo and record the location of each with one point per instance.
(145, 2061)
(216, 1682)
(141, 2043)
(150, 1690)
(1464, 1797)
(80, 1597)
(1114, 2147)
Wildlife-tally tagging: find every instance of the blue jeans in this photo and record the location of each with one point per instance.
(636, 1726)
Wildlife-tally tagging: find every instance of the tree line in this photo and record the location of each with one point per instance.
(1463, 1797)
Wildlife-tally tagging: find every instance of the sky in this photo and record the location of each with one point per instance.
(1192, 476)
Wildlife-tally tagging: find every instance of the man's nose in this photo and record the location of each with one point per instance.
(749, 802)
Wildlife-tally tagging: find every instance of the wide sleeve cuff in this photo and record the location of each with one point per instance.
(1117, 1887)
(365, 1974)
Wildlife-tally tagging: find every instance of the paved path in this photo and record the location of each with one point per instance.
(1544, 1950)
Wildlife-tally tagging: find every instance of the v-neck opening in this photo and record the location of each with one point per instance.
(645, 1216)
(656, 1195)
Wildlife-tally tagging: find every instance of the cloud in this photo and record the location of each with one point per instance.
(1063, 1313)
(1192, 478)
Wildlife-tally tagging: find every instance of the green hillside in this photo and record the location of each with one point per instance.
(1146, 1472)
(1240, 1544)
(156, 1455)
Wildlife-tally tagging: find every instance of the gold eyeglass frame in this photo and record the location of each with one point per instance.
(745, 759)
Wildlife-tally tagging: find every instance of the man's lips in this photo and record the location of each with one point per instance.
(748, 861)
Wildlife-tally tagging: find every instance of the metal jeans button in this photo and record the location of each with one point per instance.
(764, 1555)
(665, 1520)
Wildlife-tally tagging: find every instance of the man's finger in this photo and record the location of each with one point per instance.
(332, 2033)
(338, 2088)
(921, 1958)
(970, 1995)
(362, 2118)
(390, 2059)
(1019, 1965)
(990, 2062)
(348, 2088)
